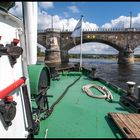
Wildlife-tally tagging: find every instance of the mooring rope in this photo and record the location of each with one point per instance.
(106, 93)
(62, 95)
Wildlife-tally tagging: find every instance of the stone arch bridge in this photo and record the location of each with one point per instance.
(57, 43)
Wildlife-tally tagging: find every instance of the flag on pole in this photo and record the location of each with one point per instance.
(78, 33)
(77, 29)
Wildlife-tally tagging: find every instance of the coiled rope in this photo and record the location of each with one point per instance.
(106, 93)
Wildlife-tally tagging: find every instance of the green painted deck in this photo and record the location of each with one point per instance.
(78, 115)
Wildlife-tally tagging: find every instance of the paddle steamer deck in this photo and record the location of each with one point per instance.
(77, 115)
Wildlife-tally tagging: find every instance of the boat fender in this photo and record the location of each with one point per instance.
(12, 51)
(8, 111)
(7, 105)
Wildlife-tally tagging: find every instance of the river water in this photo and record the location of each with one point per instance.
(111, 71)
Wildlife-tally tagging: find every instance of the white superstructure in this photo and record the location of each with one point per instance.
(12, 28)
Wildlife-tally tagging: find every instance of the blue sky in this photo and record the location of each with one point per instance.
(97, 12)
(96, 15)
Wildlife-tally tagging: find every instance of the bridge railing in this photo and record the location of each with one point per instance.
(105, 29)
(94, 30)
(48, 29)
(40, 31)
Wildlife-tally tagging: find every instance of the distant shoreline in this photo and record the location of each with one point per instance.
(137, 59)
(42, 58)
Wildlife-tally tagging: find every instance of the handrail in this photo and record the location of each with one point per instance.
(12, 87)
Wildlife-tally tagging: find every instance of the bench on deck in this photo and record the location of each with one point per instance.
(129, 124)
(62, 69)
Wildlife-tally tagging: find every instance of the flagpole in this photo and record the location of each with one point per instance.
(78, 33)
(81, 44)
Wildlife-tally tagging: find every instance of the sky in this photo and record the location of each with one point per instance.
(96, 15)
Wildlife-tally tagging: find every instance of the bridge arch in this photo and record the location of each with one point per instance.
(94, 48)
(70, 45)
(137, 50)
(135, 45)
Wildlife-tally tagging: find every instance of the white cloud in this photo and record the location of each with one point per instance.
(89, 26)
(94, 48)
(60, 23)
(43, 16)
(45, 5)
(45, 21)
(74, 9)
(17, 9)
(69, 24)
(123, 22)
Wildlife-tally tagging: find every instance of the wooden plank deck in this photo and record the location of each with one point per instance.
(129, 124)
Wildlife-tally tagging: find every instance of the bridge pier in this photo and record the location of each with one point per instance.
(126, 56)
(64, 56)
(52, 53)
(52, 56)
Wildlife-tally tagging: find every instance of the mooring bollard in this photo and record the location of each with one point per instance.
(138, 93)
(130, 88)
(93, 72)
